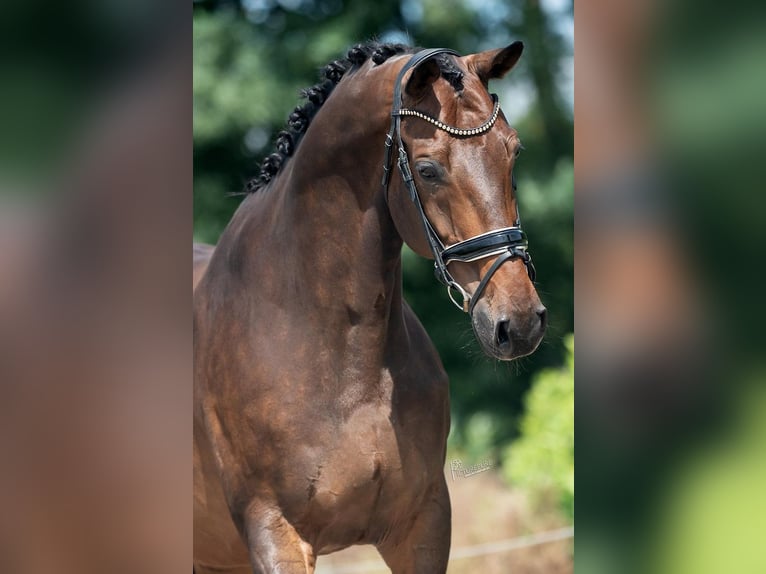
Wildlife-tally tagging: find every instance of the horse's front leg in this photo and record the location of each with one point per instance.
(274, 545)
(424, 548)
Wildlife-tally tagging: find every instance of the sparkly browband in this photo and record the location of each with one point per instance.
(486, 126)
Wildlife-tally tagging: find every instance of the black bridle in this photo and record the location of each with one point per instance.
(506, 243)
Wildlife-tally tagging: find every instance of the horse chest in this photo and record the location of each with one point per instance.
(366, 482)
(347, 450)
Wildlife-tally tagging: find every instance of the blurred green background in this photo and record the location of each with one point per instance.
(251, 58)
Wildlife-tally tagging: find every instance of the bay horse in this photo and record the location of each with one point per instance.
(321, 407)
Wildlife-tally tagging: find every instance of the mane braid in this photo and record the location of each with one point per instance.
(450, 71)
(298, 121)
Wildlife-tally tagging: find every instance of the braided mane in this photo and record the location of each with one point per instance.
(298, 121)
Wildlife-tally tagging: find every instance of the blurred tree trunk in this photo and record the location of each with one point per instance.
(543, 54)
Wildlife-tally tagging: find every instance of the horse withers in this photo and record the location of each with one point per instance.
(321, 408)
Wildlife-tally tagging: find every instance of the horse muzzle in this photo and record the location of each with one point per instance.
(506, 336)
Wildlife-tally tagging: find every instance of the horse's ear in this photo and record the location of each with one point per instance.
(424, 74)
(494, 63)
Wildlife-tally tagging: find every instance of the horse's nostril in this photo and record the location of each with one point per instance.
(543, 314)
(502, 334)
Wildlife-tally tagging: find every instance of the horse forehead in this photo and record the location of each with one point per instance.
(470, 107)
(495, 147)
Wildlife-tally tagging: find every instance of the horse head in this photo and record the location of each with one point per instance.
(456, 200)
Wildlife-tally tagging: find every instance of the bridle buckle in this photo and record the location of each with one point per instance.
(466, 297)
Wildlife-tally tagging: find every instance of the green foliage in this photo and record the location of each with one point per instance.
(233, 86)
(542, 459)
(477, 438)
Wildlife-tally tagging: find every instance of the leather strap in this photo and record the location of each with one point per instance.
(421, 56)
(485, 245)
(509, 254)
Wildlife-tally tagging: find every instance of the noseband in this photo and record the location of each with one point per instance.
(506, 243)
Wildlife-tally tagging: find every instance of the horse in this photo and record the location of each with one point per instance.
(321, 407)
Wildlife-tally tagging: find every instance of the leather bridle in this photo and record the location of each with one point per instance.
(505, 243)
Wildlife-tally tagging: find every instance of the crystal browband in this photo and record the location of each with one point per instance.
(486, 126)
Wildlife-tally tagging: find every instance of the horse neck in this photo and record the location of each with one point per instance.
(334, 249)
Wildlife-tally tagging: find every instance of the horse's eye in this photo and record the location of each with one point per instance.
(427, 170)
